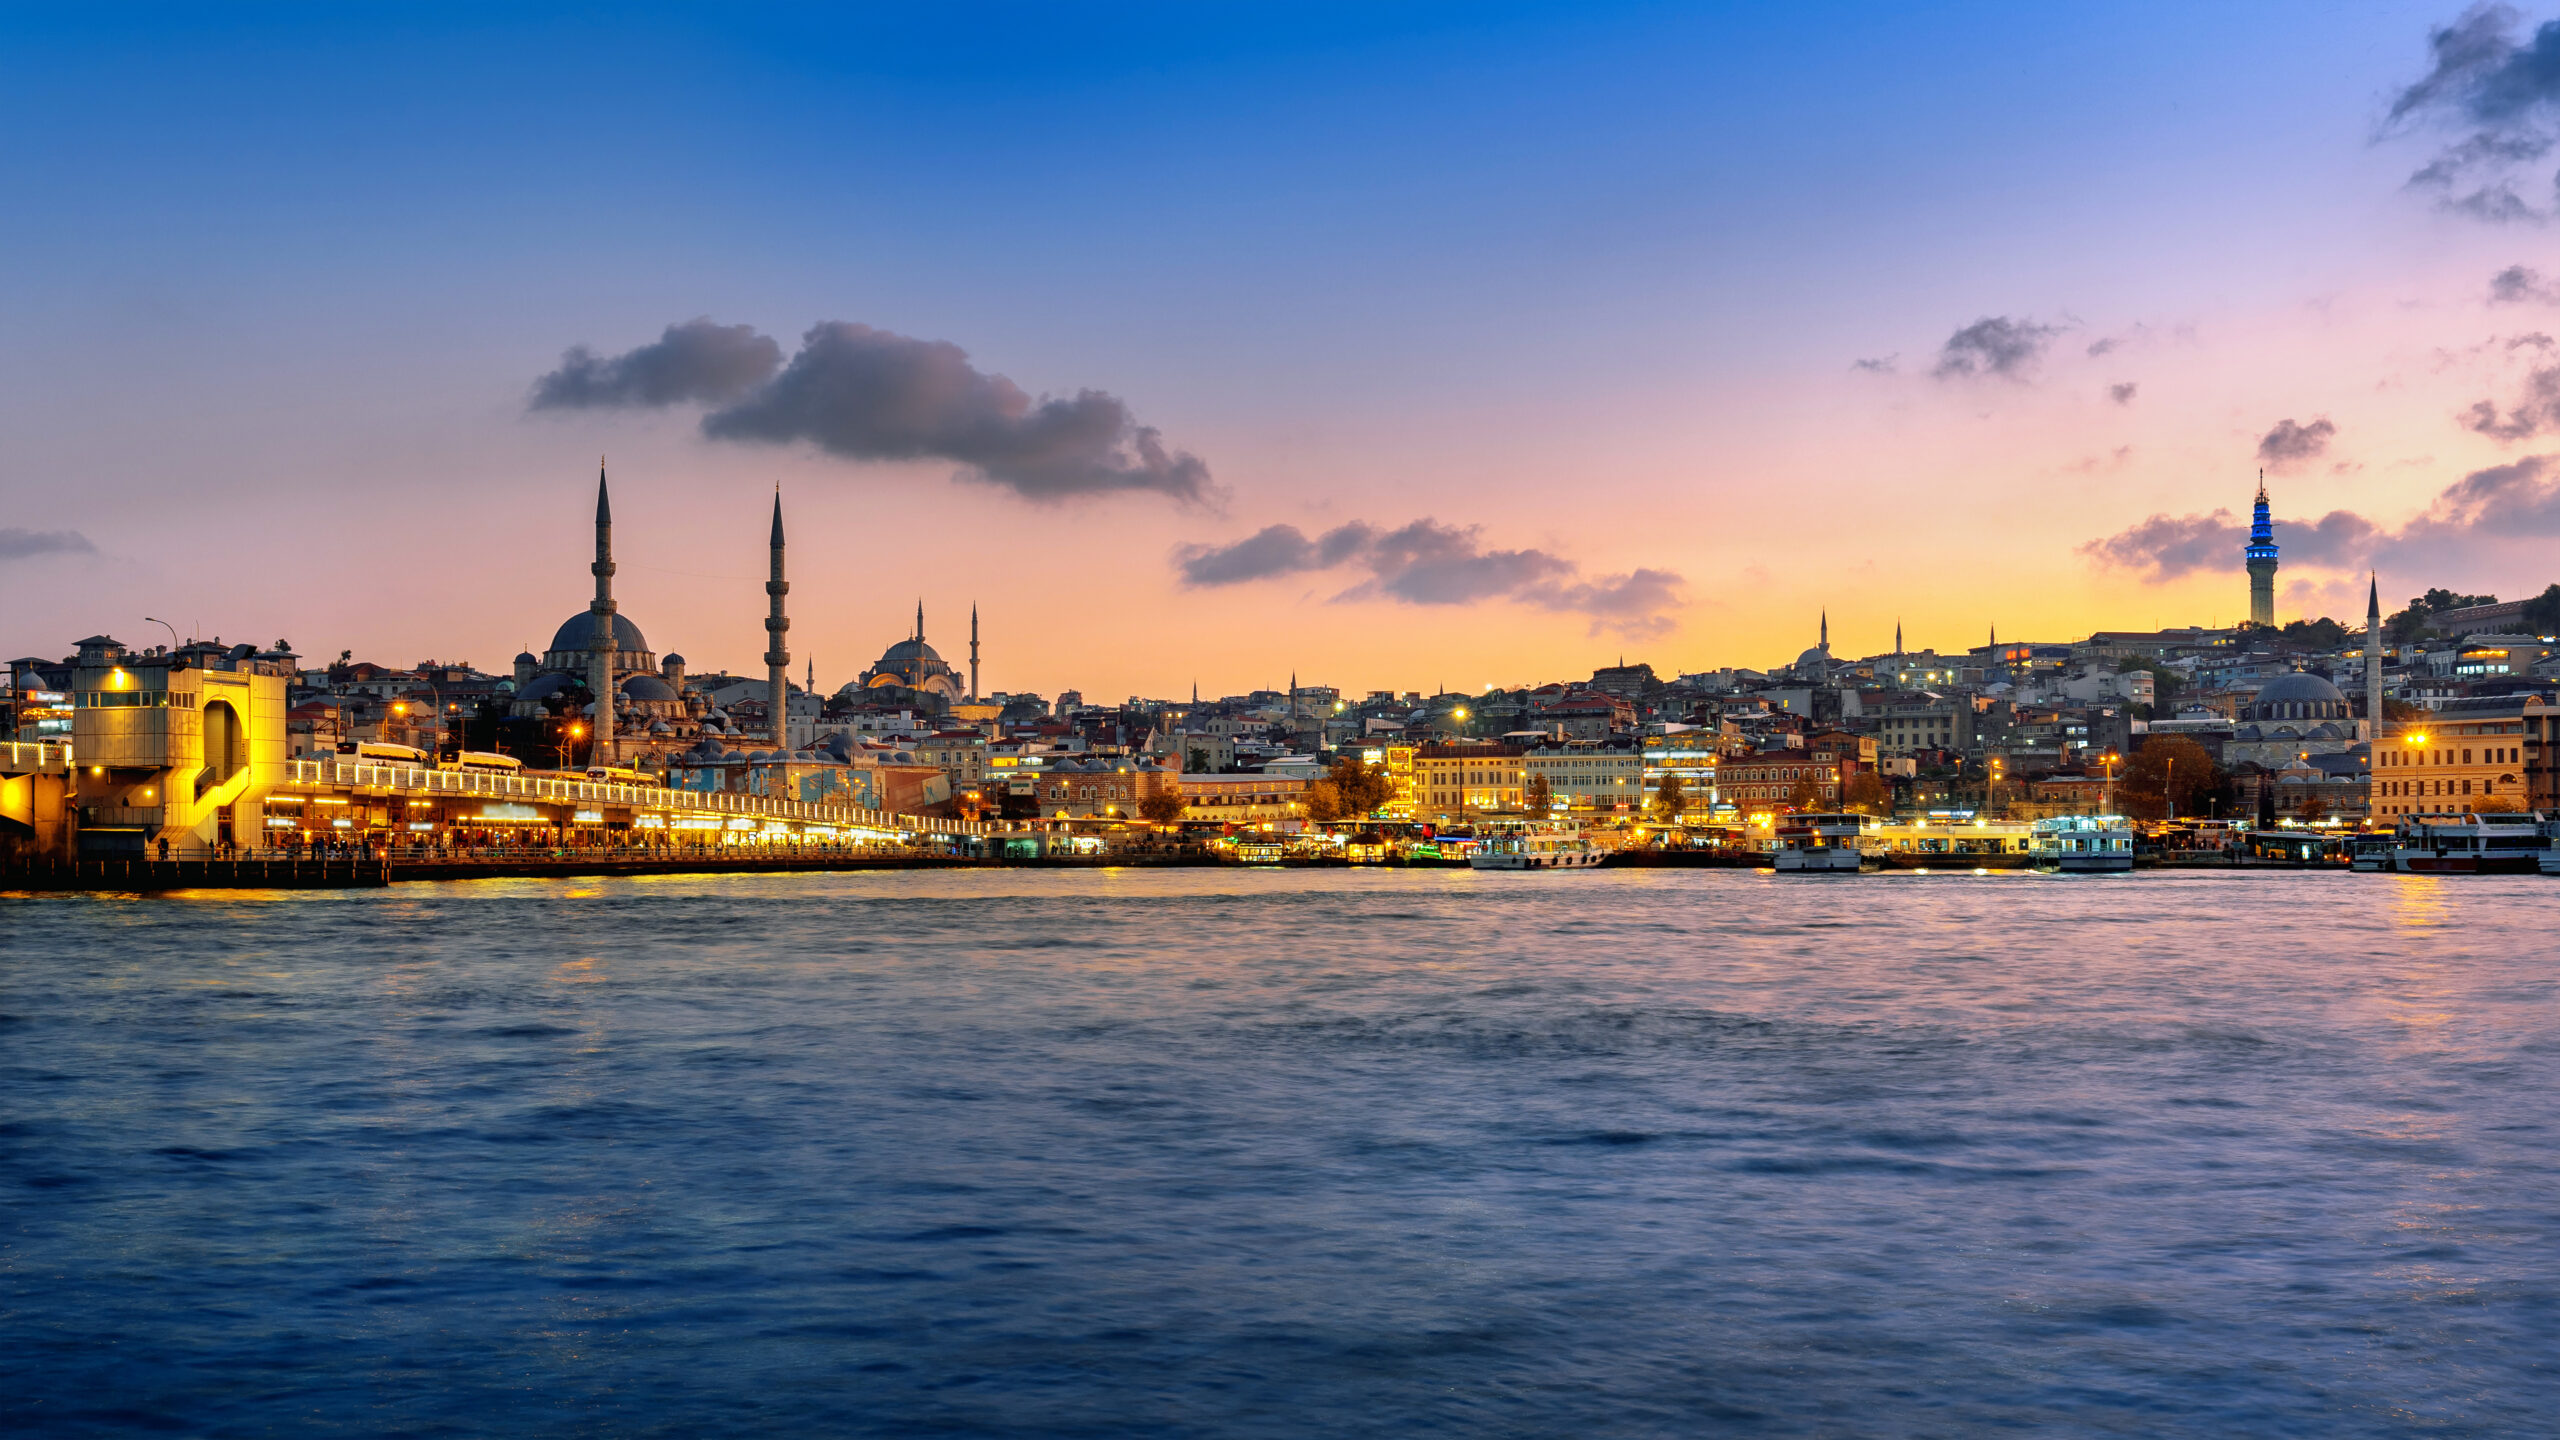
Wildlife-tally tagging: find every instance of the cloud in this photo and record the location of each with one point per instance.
(2536, 412)
(1429, 563)
(865, 394)
(1994, 345)
(2500, 96)
(2519, 501)
(16, 544)
(1878, 365)
(2290, 445)
(2520, 285)
(2122, 394)
(697, 362)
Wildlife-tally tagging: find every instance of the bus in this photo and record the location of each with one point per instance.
(377, 752)
(481, 762)
(617, 775)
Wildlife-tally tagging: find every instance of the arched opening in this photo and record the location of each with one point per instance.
(225, 747)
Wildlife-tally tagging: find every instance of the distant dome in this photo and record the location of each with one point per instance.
(545, 686)
(579, 631)
(2300, 695)
(907, 650)
(527, 657)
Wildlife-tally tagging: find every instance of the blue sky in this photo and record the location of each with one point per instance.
(1588, 278)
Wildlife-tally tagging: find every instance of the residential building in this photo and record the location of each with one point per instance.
(1590, 777)
(2470, 749)
(1458, 780)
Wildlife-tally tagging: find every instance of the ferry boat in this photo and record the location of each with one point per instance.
(1819, 844)
(1950, 841)
(2369, 852)
(2469, 844)
(2084, 844)
(1536, 849)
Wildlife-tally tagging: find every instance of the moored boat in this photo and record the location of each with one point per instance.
(2369, 852)
(2469, 844)
(2084, 844)
(1819, 844)
(1536, 848)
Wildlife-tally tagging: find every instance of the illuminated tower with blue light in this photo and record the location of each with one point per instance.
(2262, 560)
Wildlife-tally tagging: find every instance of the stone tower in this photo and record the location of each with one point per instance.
(2373, 662)
(2261, 552)
(777, 659)
(600, 650)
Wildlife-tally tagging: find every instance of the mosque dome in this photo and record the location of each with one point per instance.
(2297, 696)
(546, 686)
(527, 657)
(647, 687)
(908, 651)
(579, 630)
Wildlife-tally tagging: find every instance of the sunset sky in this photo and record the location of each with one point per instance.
(1550, 333)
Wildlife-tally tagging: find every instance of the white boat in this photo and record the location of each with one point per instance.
(2470, 844)
(1819, 844)
(1536, 849)
(2370, 852)
(2084, 844)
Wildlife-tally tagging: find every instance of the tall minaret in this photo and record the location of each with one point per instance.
(601, 647)
(919, 617)
(2261, 552)
(973, 652)
(2373, 662)
(777, 659)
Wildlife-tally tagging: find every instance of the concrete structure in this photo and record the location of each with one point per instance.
(176, 749)
(2261, 556)
(2468, 751)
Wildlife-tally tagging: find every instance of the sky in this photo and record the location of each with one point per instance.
(1412, 347)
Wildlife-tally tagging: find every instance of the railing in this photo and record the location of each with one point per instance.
(35, 757)
(412, 779)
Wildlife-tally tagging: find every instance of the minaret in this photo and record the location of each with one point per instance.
(2373, 663)
(919, 618)
(600, 649)
(2261, 552)
(1823, 642)
(1897, 639)
(973, 652)
(777, 659)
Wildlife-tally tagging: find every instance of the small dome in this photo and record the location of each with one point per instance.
(579, 631)
(672, 659)
(647, 687)
(2300, 695)
(543, 687)
(527, 657)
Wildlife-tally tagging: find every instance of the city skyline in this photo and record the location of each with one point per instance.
(1457, 348)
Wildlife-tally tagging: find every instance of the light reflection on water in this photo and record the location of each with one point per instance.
(1285, 1153)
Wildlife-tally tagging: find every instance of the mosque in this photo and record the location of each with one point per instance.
(913, 675)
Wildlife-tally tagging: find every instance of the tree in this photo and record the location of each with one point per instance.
(1362, 789)
(2169, 770)
(2541, 613)
(1806, 796)
(1162, 808)
(1539, 796)
(1197, 762)
(1866, 793)
(2496, 805)
(2419, 618)
(2321, 634)
(1670, 800)
(2402, 710)
(1324, 801)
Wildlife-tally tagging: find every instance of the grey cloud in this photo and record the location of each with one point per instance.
(1878, 365)
(16, 544)
(2501, 95)
(2289, 445)
(696, 362)
(866, 394)
(1994, 345)
(2122, 394)
(2536, 412)
(2521, 284)
(1430, 563)
(2517, 501)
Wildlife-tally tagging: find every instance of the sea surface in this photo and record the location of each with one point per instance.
(1306, 1153)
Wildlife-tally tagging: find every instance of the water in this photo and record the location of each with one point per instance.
(1211, 1153)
